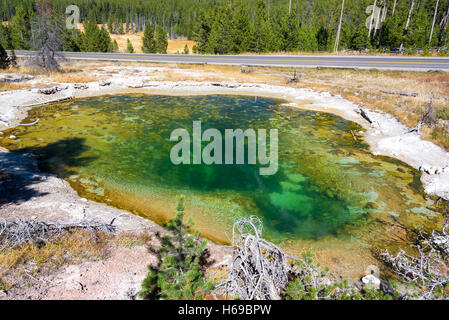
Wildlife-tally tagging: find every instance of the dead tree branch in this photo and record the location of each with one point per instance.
(46, 31)
(259, 268)
(428, 116)
(18, 232)
(429, 268)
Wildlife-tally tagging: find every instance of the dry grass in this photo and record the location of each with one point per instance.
(69, 248)
(128, 240)
(20, 265)
(177, 45)
(174, 45)
(69, 78)
(135, 38)
(7, 86)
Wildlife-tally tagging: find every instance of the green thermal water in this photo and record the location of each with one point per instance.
(116, 149)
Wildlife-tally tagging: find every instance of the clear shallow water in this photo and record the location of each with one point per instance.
(328, 188)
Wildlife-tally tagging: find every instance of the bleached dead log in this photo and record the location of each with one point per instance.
(259, 268)
(18, 232)
(51, 90)
(48, 101)
(15, 77)
(401, 93)
(104, 83)
(29, 124)
(80, 86)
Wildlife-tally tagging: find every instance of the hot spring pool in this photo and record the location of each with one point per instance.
(330, 192)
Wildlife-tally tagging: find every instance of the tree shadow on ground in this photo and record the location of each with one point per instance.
(19, 173)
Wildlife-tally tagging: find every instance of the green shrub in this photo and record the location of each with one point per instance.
(178, 274)
(443, 113)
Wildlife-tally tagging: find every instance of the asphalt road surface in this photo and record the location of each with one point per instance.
(324, 61)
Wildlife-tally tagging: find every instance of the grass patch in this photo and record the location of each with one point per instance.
(443, 113)
(441, 137)
(129, 240)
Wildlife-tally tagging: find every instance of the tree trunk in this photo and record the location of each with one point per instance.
(289, 7)
(406, 25)
(382, 19)
(433, 22)
(394, 6)
(337, 39)
(444, 21)
(372, 19)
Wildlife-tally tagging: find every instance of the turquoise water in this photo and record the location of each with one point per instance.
(116, 149)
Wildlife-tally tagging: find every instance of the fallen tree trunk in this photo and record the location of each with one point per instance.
(29, 124)
(401, 93)
(48, 101)
(51, 90)
(18, 232)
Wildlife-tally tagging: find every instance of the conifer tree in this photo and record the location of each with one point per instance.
(290, 32)
(115, 46)
(110, 24)
(73, 40)
(120, 28)
(203, 29)
(20, 30)
(148, 41)
(104, 43)
(5, 37)
(241, 30)
(178, 273)
(129, 46)
(91, 33)
(161, 40)
(262, 35)
(360, 40)
(220, 38)
(322, 37)
(96, 39)
(186, 49)
(4, 59)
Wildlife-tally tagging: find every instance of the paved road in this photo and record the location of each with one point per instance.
(365, 62)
